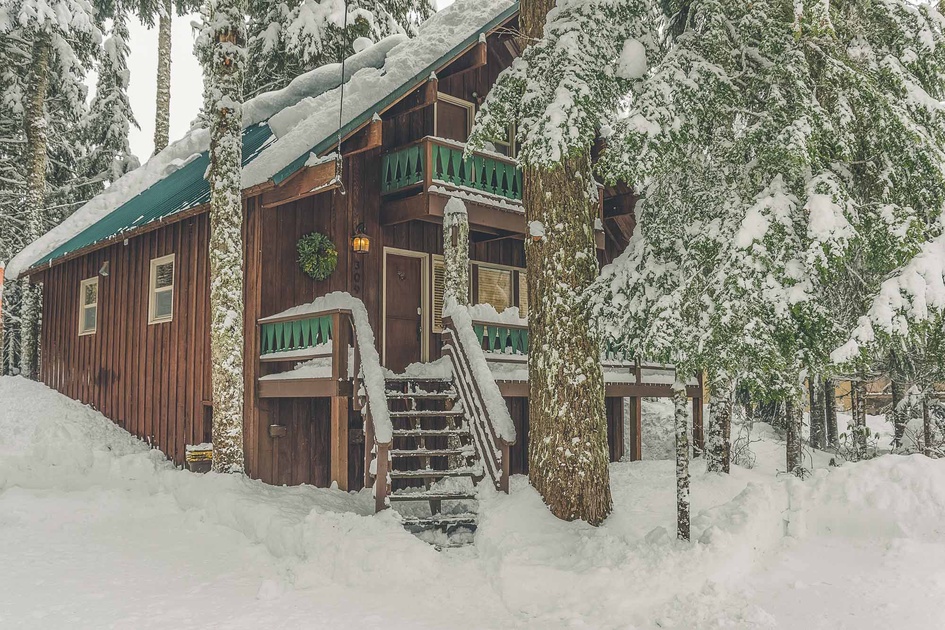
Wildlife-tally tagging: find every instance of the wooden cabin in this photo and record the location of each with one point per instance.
(126, 298)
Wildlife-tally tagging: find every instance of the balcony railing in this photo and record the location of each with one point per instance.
(434, 161)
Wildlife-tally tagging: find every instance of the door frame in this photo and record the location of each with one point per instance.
(425, 319)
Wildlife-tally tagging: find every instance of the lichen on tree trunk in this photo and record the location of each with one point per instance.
(162, 112)
(456, 251)
(227, 61)
(718, 446)
(681, 429)
(35, 199)
(567, 449)
(858, 392)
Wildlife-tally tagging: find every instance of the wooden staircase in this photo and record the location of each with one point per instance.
(433, 466)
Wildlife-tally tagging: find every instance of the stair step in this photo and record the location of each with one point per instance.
(427, 413)
(433, 495)
(428, 452)
(448, 395)
(441, 519)
(401, 379)
(429, 432)
(429, 473)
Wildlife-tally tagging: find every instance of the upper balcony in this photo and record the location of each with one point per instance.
(419, 178)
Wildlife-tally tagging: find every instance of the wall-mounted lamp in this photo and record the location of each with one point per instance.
(360, 242)
(103, 270)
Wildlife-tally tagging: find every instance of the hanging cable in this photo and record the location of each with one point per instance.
(341, 102)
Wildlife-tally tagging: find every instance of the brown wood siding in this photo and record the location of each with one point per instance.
(153, 379)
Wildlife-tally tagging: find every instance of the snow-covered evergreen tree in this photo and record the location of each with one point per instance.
(110, 117)
(62, 36)
(221, 47)
(780, 182)
(289, 37)
(559, 93)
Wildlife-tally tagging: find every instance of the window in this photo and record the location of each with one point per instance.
(88, 306)
(453, 117)
(522, 295)
(494, 287)
(161, 300)
(506, 144)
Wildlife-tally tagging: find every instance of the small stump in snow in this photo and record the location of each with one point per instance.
(199, 457)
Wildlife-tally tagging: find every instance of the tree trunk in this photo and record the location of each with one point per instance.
(718, 446)
(858, 391)
(899, 417)
(793, 423)
(162, 112)
(35, 200)
(568, 455)
(681, 425)
(226, 238)
(830, 411)
(456, 251)
(926, 426)
(817, 420)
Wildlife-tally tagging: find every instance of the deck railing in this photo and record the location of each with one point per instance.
(435, 161)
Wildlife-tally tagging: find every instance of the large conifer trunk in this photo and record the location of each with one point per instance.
(568, 456)
(162, 112)
(226, 239)
(36, 150)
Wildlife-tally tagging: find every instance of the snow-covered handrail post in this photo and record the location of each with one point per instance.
(490, 423)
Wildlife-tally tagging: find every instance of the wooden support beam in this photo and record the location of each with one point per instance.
(339, 441)
(307, 181)
(475, 57)
(636, 430)
(423, 96)
(371, 136)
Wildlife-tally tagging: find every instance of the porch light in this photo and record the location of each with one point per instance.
(360, 242)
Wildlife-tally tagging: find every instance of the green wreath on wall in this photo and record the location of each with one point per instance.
(318, 256)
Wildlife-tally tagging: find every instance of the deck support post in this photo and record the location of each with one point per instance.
(339, 441)
(636, 430)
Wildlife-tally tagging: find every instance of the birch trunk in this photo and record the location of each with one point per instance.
(35, 200)
(926, 426)
(793, 422)
(830, 411)
(817, 421)
(681, 426)
(568, 455)
(719, 436)
(162, 111)
(899, 418)
(226, 239)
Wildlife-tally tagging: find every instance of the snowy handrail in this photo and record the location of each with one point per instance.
(490, 423)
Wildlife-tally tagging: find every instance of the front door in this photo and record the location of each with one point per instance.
(403, 325)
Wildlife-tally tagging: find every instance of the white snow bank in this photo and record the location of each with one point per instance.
(487, 313)
(314, 120)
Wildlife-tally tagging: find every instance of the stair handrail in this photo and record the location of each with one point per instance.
(491, 425)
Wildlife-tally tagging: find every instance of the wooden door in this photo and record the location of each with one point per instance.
(403, 333)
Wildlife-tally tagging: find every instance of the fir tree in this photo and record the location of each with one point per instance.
(221, 47)
(110, 116)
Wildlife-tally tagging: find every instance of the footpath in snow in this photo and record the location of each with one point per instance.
(99, 531)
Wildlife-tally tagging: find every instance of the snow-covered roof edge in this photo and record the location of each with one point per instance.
(195, 141)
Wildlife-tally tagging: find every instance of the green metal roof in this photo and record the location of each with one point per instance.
(182, 190)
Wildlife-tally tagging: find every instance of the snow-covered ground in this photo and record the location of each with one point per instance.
(98, 531)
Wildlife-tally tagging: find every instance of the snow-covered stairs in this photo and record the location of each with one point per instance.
(434, 467)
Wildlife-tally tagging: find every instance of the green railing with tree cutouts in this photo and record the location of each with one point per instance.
(296, 334)
(498, 338)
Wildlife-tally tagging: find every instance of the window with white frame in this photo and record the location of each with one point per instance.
(161, 294)
(453, 117)
(88, 306)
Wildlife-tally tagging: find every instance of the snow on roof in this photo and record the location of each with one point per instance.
(312, 124)
(196, 142)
